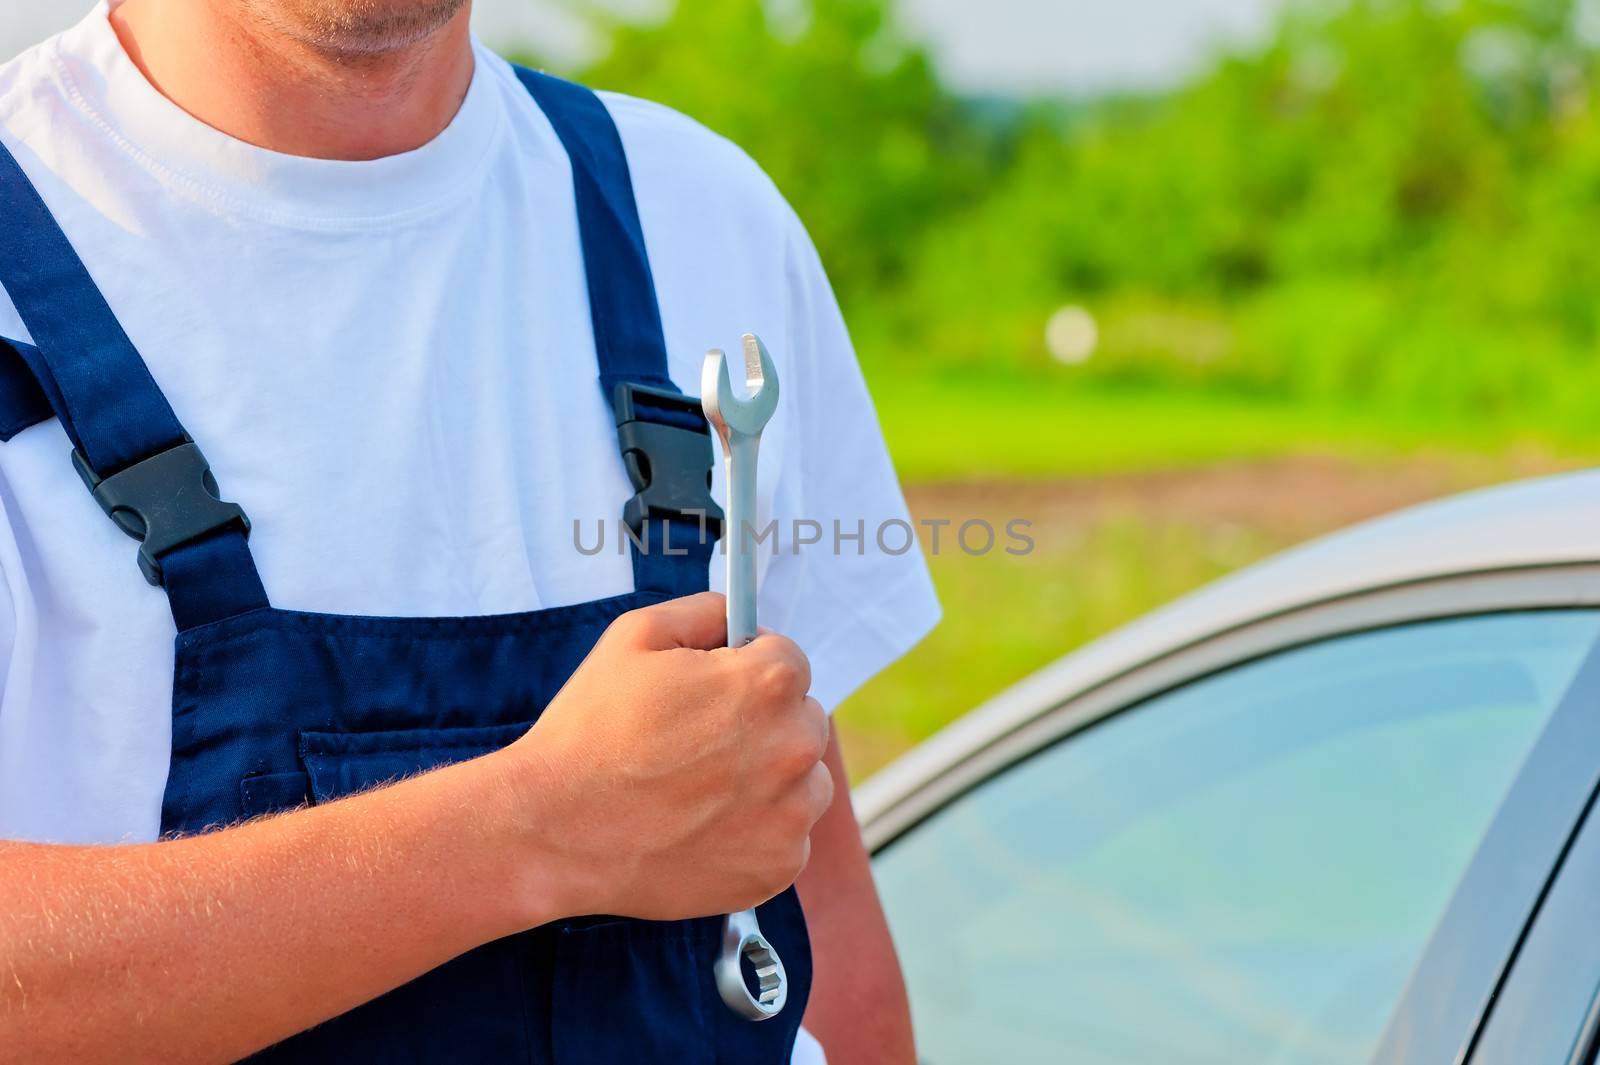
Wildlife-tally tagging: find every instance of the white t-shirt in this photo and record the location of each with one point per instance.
(389, 365)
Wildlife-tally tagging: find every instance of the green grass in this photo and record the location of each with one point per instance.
(1007, 427)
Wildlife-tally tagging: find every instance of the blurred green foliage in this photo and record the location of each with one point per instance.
(1388, 206)
(1372, 236)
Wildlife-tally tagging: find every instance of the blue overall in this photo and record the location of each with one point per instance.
(273, 709)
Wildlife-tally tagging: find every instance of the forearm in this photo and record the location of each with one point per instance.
(207, 948)
(670, 777)
(858, 1008)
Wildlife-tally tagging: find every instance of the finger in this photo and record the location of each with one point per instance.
(781, 648)
(819, 791)
(821, 722)
(698, 621)
(805, 857)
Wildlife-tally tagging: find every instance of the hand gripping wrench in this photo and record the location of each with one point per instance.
(738, 419)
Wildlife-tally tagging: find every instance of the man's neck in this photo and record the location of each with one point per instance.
(238, 74)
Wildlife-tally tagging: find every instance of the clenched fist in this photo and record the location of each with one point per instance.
(673, 776)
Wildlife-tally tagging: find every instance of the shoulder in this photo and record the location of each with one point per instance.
(677, 161)
(30, 86)
(31, 103)
(658, 137)
(673, 159)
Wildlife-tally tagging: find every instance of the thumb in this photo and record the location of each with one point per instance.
(697, 621)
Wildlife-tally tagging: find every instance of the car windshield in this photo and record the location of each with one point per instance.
(1243, 870)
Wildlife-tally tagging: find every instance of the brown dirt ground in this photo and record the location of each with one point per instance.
(1289, 499)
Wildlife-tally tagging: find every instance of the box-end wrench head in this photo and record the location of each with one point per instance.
(742, 942)
(739, 416)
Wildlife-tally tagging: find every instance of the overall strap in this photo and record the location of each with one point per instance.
(128, 446)
(22, 402)
(663, 435)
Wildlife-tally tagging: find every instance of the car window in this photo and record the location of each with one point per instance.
(1243, 870)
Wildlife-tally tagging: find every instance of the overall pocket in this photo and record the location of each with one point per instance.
(337, 764)
(478, 1007)
(343, 763)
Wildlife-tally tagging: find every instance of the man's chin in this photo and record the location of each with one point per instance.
(357, 28)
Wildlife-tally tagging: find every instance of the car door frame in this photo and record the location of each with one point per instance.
(1467, 959)
(1552, 986)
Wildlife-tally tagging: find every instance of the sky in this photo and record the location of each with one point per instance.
(1016, 46)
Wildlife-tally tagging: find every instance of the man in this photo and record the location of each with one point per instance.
(371, 273)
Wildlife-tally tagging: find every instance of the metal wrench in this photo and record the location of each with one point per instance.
(738, 418)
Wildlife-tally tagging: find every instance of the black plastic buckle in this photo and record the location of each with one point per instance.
(164, 501)
(669, 464)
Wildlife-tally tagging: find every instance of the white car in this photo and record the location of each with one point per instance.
(1330, 810)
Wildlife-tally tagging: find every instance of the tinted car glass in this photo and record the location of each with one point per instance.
(1242, 870)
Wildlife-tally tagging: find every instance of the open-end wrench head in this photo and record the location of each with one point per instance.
(746, 411)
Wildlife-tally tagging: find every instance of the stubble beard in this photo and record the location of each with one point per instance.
(355, 29)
